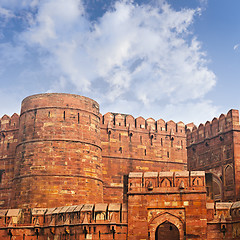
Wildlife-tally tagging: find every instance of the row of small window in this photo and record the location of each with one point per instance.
(141, 139)
(145, 152)
(64, 116)
(85, 232)
(143, 126)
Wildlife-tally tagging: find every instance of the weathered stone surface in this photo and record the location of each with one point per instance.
(67, 172)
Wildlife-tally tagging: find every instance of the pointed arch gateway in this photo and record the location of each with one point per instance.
(168, 231)
(166, 226)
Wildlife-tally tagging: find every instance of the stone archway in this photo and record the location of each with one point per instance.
(163, 221)
(167, 231)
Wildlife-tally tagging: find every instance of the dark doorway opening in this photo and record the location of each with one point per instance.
(167, 231)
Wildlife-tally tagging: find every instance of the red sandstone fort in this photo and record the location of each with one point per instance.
(68, 172)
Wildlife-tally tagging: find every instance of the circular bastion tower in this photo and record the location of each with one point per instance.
(58, 158)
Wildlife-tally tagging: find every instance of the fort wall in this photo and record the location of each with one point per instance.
(156, 198)
(58, 155)
(63, 136)
(214, 147)
(9, 127)
(130, 144)
(160, 205)
(85, 221)
(68, 172)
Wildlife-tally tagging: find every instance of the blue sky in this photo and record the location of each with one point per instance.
(173, 59)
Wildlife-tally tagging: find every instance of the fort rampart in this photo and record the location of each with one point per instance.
(68, 172)
(130, 144)
(214, 147)
(61, 146)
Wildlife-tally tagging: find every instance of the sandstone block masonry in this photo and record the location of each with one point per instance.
(61, 147)
(69, 172)
(215, 148)
(161, 205)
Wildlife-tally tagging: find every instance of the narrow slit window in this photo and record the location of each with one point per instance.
(64, 115)
(109, 135)
(130, 137)
(1, 175)
(78, 118)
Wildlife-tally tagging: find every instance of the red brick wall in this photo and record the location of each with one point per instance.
(214, 147)
(130, 144)
(59, 152)
(236, 164)
(61, 135)
(8, 141)
(81, 222)
(185, 208)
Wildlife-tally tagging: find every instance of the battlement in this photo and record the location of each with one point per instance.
(217, 126)
(9, 123)
(100, 213)
(166, 181)
(124, 121)
(85, 221)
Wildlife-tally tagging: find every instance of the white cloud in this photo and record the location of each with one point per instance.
(236, 46)
(5, 13)
(17, 5)
(141, 56)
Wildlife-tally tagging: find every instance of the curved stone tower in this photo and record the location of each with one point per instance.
(58, 158)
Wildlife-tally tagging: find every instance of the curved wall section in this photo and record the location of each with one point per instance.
(58, 156)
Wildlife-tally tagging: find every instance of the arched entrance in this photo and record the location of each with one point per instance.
(167, 231)
(166, 223)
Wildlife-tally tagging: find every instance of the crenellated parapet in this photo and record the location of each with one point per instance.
(9, 129)
(137, 144)
(166, 181)
(9, 123)
(140, 131)
(213, 147)
(99, 220)
(128, 122)
(217, 127)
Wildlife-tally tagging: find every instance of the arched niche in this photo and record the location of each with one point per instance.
(214, 186)
(197, 182)
(228, 176)
(166, 183)
(168, 219)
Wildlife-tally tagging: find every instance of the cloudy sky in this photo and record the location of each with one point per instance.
(173, 59)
